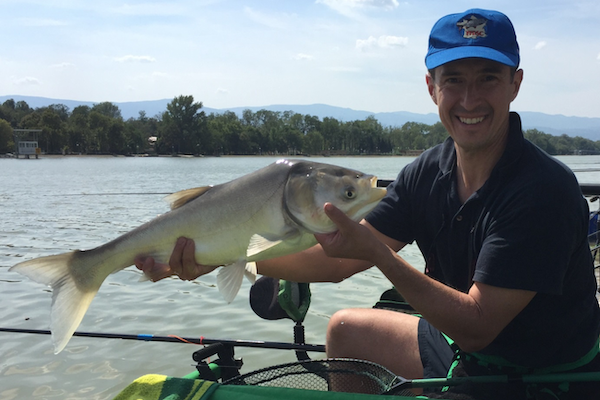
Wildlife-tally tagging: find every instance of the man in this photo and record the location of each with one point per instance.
(502, 226)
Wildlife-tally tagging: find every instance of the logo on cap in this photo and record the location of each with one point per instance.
(473, 28)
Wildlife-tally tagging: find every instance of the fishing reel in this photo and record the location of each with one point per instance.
(224, 368)
(274, 299)
(270, 299)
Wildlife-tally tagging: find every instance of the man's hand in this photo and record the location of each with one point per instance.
(182, 263)
(351, 240)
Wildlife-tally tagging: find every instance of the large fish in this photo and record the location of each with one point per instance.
(269, 213)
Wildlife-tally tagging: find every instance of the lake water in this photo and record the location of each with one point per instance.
(55, 205)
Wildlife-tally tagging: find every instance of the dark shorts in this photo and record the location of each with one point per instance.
(436, 353)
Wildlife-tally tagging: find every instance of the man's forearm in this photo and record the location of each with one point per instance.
(311, 265)
(472, 319)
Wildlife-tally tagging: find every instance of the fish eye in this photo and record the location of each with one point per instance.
(350, 193)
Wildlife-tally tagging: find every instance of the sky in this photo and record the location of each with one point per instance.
(360, 54)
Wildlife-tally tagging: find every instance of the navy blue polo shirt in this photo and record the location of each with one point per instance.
(525, 228)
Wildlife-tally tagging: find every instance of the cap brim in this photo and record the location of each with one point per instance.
(458, 53)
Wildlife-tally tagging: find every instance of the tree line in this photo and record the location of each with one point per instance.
(184, 128)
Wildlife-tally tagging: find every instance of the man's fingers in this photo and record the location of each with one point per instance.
(141, 262)
(188, 259)
(175, 261)
(153, 270)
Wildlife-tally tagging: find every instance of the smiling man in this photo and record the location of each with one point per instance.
(509, 285)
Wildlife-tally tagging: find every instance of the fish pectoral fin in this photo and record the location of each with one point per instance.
(250, 272)
(182, 197)
(270, 249)
(259, 244)
(229, 279)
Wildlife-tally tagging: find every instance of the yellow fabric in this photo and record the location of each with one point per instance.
(161, 387)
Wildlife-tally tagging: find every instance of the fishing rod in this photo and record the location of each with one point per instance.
(178, 339)
(588, 189)
(116, 194)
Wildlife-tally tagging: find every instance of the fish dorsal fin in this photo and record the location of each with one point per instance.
(182, 197)
(258, 244)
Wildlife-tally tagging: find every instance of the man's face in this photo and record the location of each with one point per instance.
(473, 97)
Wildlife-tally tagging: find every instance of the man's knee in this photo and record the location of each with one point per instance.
(341, 324)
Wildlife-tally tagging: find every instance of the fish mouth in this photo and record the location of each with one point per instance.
(379, 192)
(373, 181)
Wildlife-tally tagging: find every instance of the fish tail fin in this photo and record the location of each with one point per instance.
(72, 290)
(229, 278)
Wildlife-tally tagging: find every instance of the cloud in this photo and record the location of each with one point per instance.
(62, 65)
(349, 7)
(27, 81)
(222, 91)
(302, 56)
(132, 58)
(540, 45)
(381, 42)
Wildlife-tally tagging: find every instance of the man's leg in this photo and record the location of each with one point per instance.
(388, 338)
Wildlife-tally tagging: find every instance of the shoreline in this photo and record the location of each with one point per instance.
(41, 156)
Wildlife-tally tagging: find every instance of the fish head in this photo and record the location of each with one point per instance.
(310, 185)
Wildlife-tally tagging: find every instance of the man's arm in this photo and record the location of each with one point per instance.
(472, 319)
(313, 265)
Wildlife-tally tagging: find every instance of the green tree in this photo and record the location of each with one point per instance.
(292, 141)
(7, 144)
(61, 110)
(116, 137)
(332, 134)
(32, 120)
(53, 136)
(313, 143)
(541, 139)
(137, 133)
(183, 126)
(235, 139)
(80, 133)
(99, 126)
(7, 112)
(370, 136)
(108, 109)
(563, 145)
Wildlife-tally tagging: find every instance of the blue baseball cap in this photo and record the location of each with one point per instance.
(475, 33)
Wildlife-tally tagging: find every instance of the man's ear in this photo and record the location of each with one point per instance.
(431, 87)
(517, 80)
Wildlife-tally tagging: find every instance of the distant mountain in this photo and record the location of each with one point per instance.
(397, 118)
(553, 124)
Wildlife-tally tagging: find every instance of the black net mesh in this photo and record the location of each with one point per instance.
(336, 375)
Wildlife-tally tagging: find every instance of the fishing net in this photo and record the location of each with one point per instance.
(336, 375)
